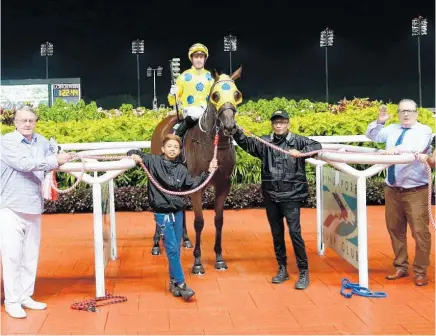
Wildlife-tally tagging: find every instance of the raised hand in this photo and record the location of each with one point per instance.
(383, 115)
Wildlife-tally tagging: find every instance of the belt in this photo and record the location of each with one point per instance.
(401, 189)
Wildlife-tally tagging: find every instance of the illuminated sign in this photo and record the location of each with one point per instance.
(67, 92)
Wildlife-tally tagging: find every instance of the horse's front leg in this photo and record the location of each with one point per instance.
(198, 226)
(221, 193)
(186, 242)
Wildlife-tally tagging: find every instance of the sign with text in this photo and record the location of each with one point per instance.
(13, 96)
(70, 93)
(339, 204)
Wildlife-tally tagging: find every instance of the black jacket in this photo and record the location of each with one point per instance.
(283, 176)
(171, 175)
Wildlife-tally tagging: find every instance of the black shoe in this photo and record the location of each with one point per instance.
(281, 276)
(183, 291)
(303, 281)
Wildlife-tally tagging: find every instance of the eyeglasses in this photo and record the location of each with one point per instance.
(25, 121)
(406, 111)
(280, 122)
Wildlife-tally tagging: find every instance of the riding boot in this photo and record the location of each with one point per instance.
(281, 276)
(186, 124)
(303, 281)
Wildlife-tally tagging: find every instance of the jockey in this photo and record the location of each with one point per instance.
(192, 89)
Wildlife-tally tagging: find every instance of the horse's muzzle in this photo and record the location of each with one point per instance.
(228, 132)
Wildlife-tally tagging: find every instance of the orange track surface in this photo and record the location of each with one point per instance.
(241, 300)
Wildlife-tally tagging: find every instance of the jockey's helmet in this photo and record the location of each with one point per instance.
(198, 48)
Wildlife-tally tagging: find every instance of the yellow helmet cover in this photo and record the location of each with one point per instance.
(225, 91)
(198, 47)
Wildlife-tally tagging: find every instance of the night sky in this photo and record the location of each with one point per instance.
(374, 53)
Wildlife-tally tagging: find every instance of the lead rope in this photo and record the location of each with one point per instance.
(358, 290)
(91, 304)
(76, 156)
(301, 155)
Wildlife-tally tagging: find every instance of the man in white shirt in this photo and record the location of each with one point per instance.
(25, 156)
(406, 190)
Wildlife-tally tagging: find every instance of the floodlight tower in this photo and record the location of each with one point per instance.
(326, 41)
(46, 51)
(154, 73)
(419, 28)
(138, 48)
(230, 44)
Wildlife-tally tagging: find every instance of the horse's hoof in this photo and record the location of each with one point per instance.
(187, 243)
(155, 250)
(198, 270)
(221, 265)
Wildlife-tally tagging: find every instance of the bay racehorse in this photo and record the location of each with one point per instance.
(198, 151)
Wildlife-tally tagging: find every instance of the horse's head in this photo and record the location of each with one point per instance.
(225, 96)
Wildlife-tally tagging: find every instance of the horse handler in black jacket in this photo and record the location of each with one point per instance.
(172, 175)
(284, 188)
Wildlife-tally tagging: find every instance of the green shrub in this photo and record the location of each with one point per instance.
(242, 196)
(138, 125)
(62, 111)
(262, 109)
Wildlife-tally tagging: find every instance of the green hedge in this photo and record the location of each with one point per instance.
(240, 197)
(87, 123)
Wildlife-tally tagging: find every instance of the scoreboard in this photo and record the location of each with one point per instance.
(70, 93)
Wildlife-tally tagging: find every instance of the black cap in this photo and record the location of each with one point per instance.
(280, 114)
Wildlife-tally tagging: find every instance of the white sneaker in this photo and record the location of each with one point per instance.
(15, 311)
(32, 304)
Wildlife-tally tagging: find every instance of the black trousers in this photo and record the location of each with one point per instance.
(275, 212)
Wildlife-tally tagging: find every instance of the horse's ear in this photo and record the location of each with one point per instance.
(215, 74)
(236, 74)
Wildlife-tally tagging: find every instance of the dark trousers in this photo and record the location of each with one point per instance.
(291, 211)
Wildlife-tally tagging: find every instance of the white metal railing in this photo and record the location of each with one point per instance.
(329, 142)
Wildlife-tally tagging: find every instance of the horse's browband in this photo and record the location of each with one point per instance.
(223, 80)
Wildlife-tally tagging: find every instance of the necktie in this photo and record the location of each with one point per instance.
(391, 169)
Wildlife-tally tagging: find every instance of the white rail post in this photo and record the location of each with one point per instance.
(98, 240)
(319, 209)
(113, 223)
(362, 231)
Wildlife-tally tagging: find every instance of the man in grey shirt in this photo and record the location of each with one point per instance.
(25, 156)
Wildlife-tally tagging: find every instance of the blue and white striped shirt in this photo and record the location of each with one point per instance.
(22, 171)
(417, 139)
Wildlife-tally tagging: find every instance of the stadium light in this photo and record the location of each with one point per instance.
(326, 41)
(46, 51)
(419, 28)
(138, 48)
(230, 45)
(154, 72)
